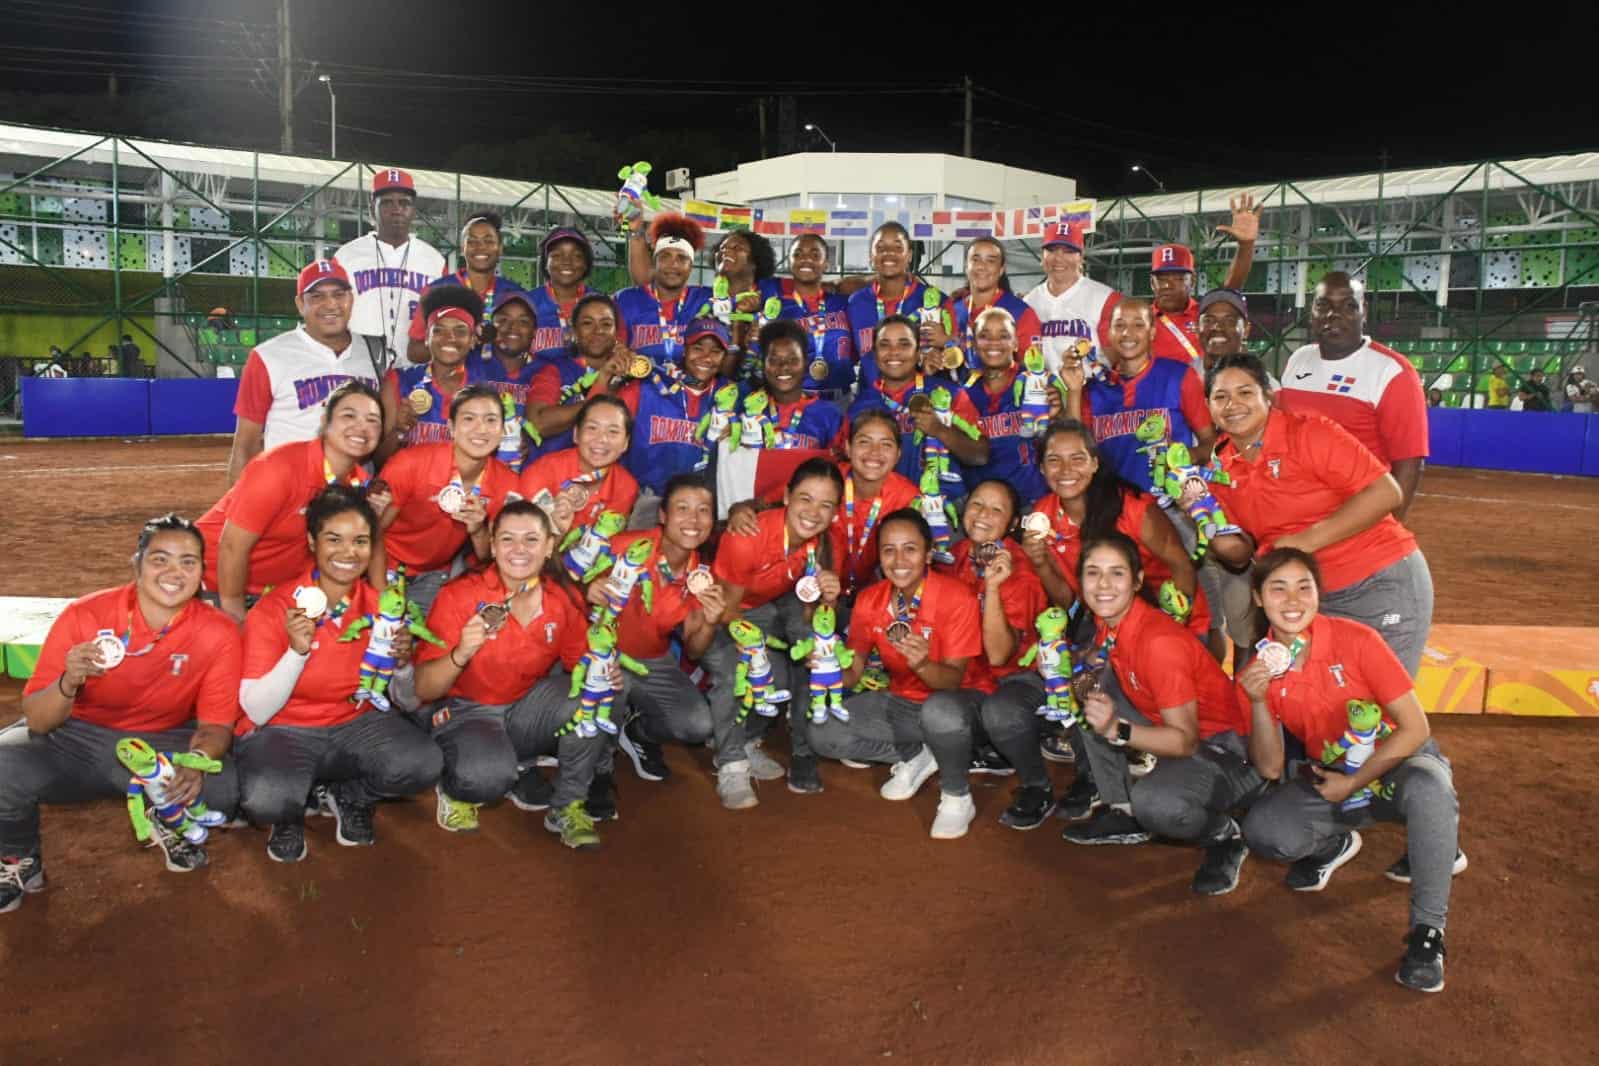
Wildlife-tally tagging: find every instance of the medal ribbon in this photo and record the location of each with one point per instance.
(895, 406)
(354, 479)
(334, 613)
(1295, 646)
(858, 548)
(811, 566)
(670, 330)
(877, 294)
(907, 613)
(127, 636)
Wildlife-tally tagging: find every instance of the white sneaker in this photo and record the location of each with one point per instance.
(762, 766)
(955, 814)
(853, 765)
(1140, 763)
(734, 786)
(906, 778)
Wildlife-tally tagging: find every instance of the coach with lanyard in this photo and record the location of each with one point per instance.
(255, 534)
(145, 660)
(389, 267)
(1171, 286)
(481, 245)
(285, 379)
(824, 316)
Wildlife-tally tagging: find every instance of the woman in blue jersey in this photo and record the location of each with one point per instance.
(800, 420)
(480, 255)
(992, 390)
(824, 316)
(986, 286)
(654, 316)
(416, 398)
(561, 385)
(568, 260)
(895, 290)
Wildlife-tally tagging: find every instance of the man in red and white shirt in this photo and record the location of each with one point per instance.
(287, 378)
(1366, 387)
(1171, 283)
(1067, 306)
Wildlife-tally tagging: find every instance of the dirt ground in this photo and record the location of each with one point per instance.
(824, 929)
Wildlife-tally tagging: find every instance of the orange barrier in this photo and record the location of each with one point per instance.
(1547, 671)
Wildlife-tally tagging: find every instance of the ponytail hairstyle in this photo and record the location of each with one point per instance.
(1004, 278)
(825, 470)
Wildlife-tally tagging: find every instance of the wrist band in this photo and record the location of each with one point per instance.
(458, 666)
(61, 685)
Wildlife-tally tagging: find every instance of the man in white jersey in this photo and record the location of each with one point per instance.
(389, 268)
(1068, 306)
(287, 378)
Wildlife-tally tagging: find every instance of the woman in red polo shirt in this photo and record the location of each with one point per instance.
(255, 534)
(302, 724)
(1172, 700)
(926, 630)
(581, 482)
(443, 495)
(1301, 481)
(872, 489)
(1009, 600)
(770, 578)
(1088, 501)
(170, 678)
(512, 633)
(1305, 685)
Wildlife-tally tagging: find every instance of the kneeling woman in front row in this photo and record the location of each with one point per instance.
(508, 632)
(927, 631)
(1175, 704)
(1338, 688)
(305, 720)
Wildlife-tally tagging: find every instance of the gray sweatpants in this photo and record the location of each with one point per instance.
(1192, 799)
(1396, 601)
(1231, 602)
(1106, 762)
(886, 728)
(1010, 717)
(1292, 822)
(380, 755)
(783, 618)
(77, 762)
(484, 743)
(670, 706)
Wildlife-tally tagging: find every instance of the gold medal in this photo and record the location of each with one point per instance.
(421, 400)
(819, 370)
(639, 367)
(954, 358)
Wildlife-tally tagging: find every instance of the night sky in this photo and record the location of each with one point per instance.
(1222, 98)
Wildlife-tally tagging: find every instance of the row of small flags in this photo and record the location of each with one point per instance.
(1016, 223)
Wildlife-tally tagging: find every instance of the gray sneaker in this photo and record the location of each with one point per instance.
(734, 786)
(181, 855)
(762, 766)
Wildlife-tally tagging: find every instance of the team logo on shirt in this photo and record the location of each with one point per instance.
(1340, 384)
(1276, 468)
(177, 664)
(927, 632)
(549, 632)
(1337, 671)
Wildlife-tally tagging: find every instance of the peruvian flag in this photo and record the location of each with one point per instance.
(756, 473)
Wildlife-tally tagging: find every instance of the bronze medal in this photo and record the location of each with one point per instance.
(808, 589)
(494, 616)
(897, 632)
(376, 487)
(919, 403)
(983, 554)
(699, 580)
(109, 649)
(452, 498)
(1278, 659)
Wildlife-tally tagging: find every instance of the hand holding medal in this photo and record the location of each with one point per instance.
(109, 650)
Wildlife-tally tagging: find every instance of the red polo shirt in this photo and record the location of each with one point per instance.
(422, 536)
(1022, 596)
(321, 697)
(1306, 468)
(517, 657)
(616, 491)
(947, 617)
(758, 564)
(269, 500)
(1180, 339)
(188, 673)
(850, 522)
(646, 634)
(1346, 661)
(1160, 666)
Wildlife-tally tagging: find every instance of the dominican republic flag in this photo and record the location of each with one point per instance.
(756, 473)
(1340, 383)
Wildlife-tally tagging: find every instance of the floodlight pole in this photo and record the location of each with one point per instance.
(333, 116)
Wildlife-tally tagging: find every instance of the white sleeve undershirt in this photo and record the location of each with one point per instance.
(263, 697)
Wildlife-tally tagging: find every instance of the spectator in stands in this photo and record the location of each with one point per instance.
(1435, 397)
(1580, 392)
(1534, 393)
(220, 318)
(1498, 389)
(287, 378)
(127, 354)
(1367, 387)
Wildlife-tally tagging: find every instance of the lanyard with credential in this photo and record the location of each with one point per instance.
(1182, 338)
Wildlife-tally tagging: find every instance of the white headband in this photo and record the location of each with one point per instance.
(676, 243)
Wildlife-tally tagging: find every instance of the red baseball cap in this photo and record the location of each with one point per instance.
(1170, 259)
(1064, 232)
(384, 180)
(321, 271)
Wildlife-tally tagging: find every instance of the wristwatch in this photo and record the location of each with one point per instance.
(1123, 735)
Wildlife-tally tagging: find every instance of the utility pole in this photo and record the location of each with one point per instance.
(761, 103)
(111, 85)
(966, 141)
(285, 80)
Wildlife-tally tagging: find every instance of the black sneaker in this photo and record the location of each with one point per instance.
(803, 775)
(1218, 873)
(1422, 968)
(19, 876)
(1107, 826)
(286, 842)
(1400, 870)
(1030, 808)
(1057, 747)
(181, 856)
(1080, 800)
(1312, 873)
(601, 803)
(986, 760)
(354, 820)
(648, 762)
(531, 791)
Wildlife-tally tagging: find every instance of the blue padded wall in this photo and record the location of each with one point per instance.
(85, 407)
(192, 405)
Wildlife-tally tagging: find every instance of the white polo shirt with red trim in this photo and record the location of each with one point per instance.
(287, 378)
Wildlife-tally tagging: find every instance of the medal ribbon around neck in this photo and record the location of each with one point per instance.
(858, 548)
(670, 330)
(334, 613)
(907, 613)
(811, 566)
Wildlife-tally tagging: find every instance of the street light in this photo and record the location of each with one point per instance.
(811, 127)
(1139, 168)
(333, 116)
